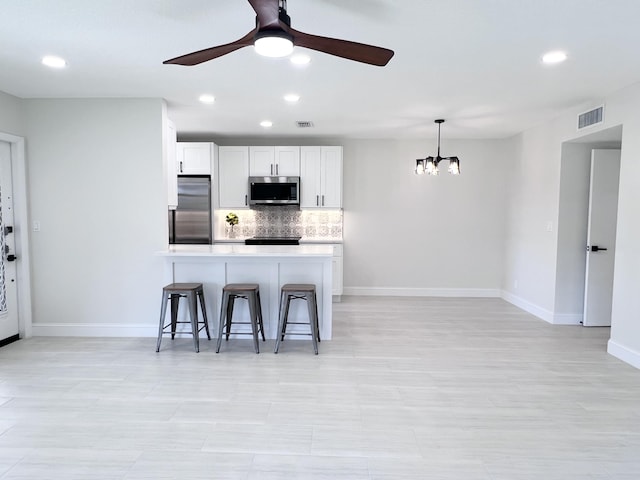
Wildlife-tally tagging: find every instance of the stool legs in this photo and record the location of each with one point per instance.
(252, 295)
(288, 294)
(193, 313)
(163, 314)
(313, 321)
(193, 294)
(204, 314)
(225, 317)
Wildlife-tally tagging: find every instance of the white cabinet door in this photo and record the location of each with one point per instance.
(321, 177)
(287, 161)
(193, 158)
(331, 177)
(274, 161)
(172, 174)
(261, 161)
(310, 177)
(233, 176)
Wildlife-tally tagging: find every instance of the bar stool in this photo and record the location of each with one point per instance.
(174, 292)
(250, 292)
(298, 291)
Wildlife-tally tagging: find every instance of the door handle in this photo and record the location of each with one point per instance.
(323, 200)
(180, 167)
(7, 230)
(11, 258)
(277, 169)
(594, 248)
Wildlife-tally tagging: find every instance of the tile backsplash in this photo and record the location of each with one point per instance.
(281, 221)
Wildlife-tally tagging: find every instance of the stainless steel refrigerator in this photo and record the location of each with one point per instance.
(190, 223)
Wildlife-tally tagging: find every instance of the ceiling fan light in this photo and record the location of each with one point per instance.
(273, 44)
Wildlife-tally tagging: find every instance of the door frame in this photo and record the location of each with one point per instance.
(21, 224)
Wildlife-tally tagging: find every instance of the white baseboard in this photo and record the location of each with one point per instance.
(528, 307)
(567, 318)
(626, 354)
(541, 313)
(421, 292)
(93, 330)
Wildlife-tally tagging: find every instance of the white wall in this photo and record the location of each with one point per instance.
(96, 187)
(419, 234)
(11, 115)
(531, 238)
(532, 253)
(625, 325)
(572, 231)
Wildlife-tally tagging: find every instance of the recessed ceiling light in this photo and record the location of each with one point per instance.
(206, 98)
(266, 123)
(300, 59)
(54, 62)
(554, 57)
(292, 97)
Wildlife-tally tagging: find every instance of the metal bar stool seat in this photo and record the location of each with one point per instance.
(298, 291)
(250, 292)
(173, 293)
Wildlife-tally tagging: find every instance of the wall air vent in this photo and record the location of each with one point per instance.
(304, 124)
(591, 118)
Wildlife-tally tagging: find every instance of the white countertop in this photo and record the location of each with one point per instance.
(240, 250)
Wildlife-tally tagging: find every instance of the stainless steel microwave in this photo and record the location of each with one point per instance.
(274, 191)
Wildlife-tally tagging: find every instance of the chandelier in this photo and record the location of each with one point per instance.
(430, 164)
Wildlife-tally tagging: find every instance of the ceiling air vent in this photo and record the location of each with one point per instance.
(590, 118)
(304, 124)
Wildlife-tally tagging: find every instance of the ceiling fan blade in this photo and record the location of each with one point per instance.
(267, 12)
(343, 48)
(207, 54)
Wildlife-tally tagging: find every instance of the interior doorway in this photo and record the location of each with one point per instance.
(573, 215)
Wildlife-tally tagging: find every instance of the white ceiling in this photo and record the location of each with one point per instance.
(475, 63)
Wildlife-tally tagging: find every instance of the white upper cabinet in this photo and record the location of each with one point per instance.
(194, 158)
(321, 177)
(233, 177)
(272, 161)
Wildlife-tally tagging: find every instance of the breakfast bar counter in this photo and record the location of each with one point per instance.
(270, 266)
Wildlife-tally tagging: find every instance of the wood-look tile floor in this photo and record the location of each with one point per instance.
(409, 388)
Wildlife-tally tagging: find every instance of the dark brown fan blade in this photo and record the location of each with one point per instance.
(214, 52)
(343, 48)
(267, 12)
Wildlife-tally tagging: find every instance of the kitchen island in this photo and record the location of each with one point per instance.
(271, 266)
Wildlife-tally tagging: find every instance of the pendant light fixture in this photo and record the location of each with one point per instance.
(430, 164)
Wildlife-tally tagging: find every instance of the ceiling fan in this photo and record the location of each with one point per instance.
(273, 29)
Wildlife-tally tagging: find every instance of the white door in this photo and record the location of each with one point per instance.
(8, 281)
(601, 237)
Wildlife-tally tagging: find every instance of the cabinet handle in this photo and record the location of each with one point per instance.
(277, 173)
(181, 167)
(272, 169)
(323, 200)
(245, 200)
(317, 200)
